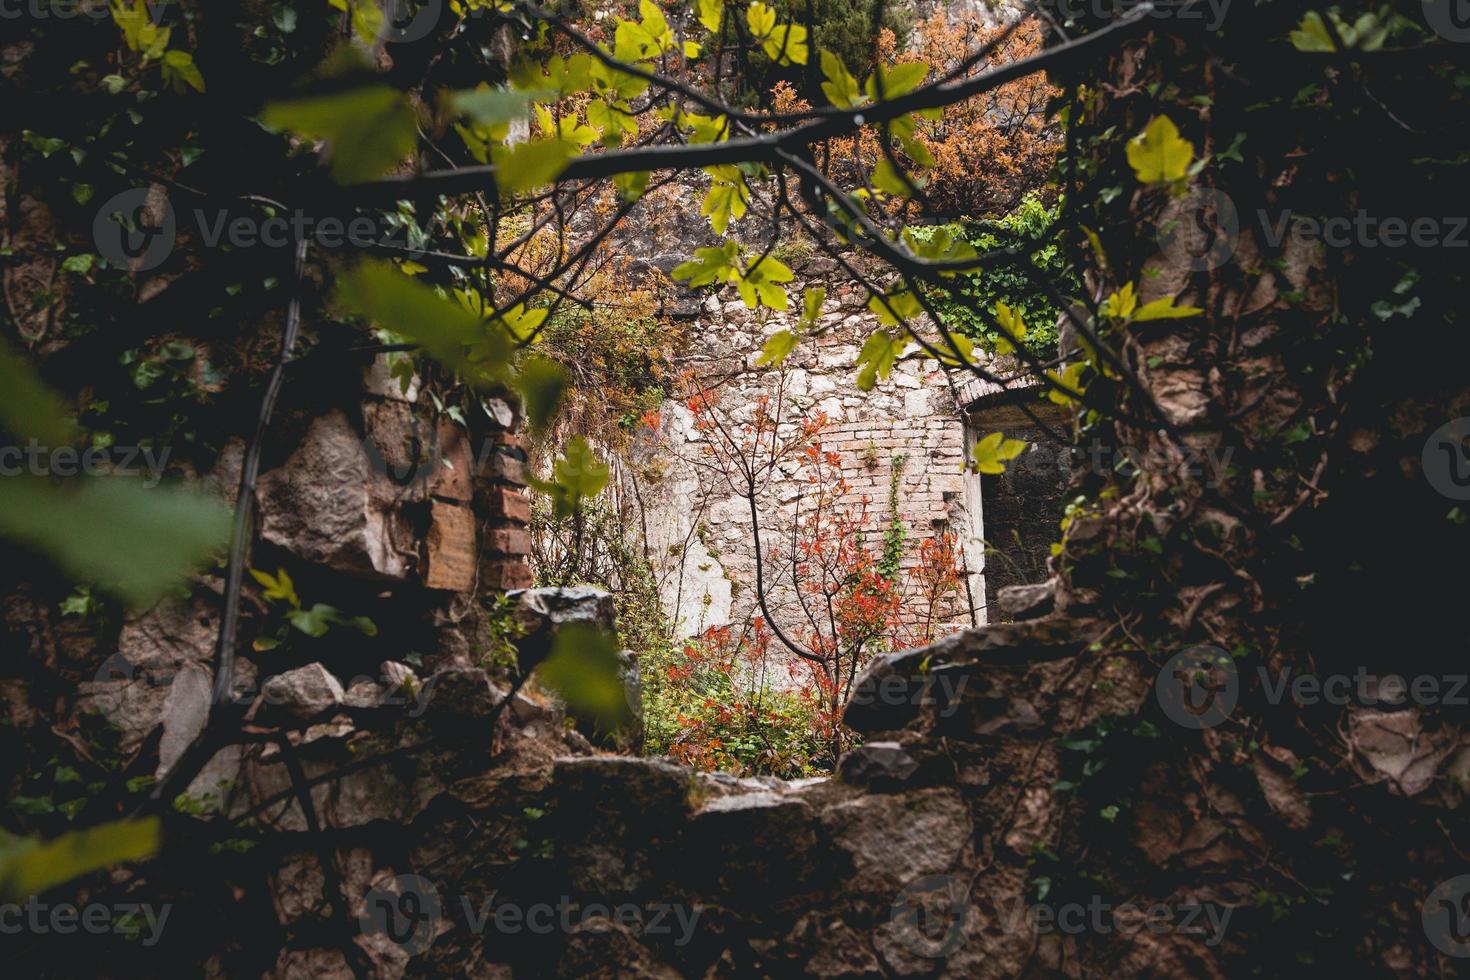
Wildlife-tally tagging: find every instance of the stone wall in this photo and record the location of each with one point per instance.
(701, 530)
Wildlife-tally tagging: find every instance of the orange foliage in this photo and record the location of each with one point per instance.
(989, 150)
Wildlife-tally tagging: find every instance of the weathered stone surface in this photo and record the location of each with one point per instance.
(132, 686)
(185, 713)
(540, 608)
(318, 506)
(616, 816)
(877, 764)
(892, 839)
(449, 548)
(1027, 601)
(395, 683)
(301, 694)
(462, 693)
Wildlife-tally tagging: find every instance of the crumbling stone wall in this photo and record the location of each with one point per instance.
(701, 531)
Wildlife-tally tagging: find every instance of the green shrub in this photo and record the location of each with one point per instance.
(1030, 221)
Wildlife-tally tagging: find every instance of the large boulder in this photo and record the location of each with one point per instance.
(321, 505)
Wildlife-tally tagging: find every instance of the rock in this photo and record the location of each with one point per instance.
(301, 694)
(878, 765)
(131, 688)
(536, 609)
(185, 713)
(1396, 747)
(318, 505)
(615, 820)
(896, 837)
(396, 684)
(719, 843)
(500, 412)
(377, 380)
(1019, 602)
(464, 693)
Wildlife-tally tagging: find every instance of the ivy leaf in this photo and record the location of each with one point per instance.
(615, 121)
(710, 12)
(709, 265)
(1071, 378)
(963, 344)
(840, 87)
(1164, 309)
(631, 185)
(29, 408)
(760, 18)
(533, 164)
(811, 305)
(991, 453)
(904, 303)
(1312, 34)
(880, 351)
(491, 106)
(180, 72)
(369, 129)
(758, 284)
(31, 866)
(896, 81)
(541, 382)
(786, 44)
(448, 331)
(1011, 322)
(1120, 305)
(584, 668)
(1158, 155)
(278, 586)
(577, 475)
(781, 344)
(888, 180)
(727, 198)
(138, 541)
